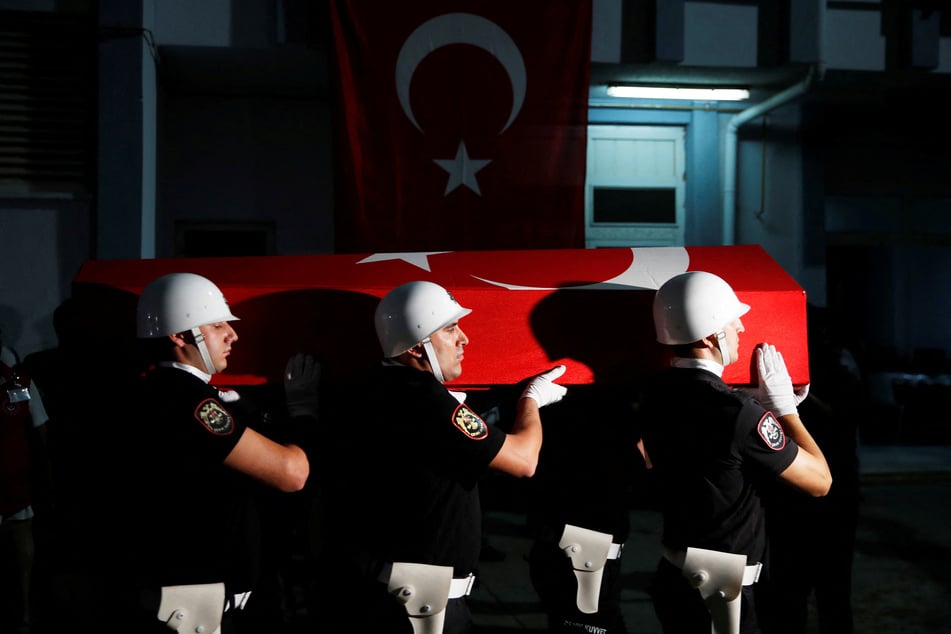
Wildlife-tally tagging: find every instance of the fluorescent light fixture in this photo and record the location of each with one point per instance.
(692, 94)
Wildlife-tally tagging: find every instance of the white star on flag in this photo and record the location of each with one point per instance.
(419, 258)
(462, 170)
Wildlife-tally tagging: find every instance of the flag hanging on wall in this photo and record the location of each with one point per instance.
(460, 125)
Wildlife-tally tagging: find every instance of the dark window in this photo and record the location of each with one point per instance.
(47, 102)
(221, 239)
(635, 205)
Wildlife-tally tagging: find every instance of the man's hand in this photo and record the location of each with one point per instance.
(301, 378)
(775, 391)
(543, 390)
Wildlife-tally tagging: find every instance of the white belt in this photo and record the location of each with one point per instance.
(458, 587)
(750, 573)
(461, 587)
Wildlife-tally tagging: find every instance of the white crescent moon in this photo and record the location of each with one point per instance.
(460, 28)
(650, 267)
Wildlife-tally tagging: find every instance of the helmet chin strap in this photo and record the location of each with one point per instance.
(433, 360)
(203, 350)
(724, 351)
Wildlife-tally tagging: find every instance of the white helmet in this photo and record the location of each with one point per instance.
(694, 305)
(411, 312)
(179, 302)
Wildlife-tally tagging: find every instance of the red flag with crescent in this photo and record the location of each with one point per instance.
(460, 126)
(590, 309)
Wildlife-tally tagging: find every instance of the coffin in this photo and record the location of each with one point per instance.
(589, 309)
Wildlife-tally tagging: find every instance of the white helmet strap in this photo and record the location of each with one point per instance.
(433, 359)
(203, 350)
(724, 350)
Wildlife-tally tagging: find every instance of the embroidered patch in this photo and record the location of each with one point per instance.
(771, 432)
(214, 417)
(469, 423)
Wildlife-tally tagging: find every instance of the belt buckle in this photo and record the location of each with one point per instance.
(461, 586)
(470, 581)
(237, 600)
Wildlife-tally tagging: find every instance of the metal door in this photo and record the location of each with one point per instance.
(634, 186)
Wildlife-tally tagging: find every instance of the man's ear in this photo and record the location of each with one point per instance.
(417, 351)
(178, 339)
(710, 342)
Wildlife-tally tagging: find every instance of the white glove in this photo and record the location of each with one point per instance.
(543, 390)
(775, 391)
(801, 393)
(301, 377)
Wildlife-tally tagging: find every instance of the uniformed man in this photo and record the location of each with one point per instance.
(194, 459)
(710, 447)
(422, 450)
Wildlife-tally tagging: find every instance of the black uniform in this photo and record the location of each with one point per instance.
(713, 450)
(192, 520)
(422, 454)
(589, 475)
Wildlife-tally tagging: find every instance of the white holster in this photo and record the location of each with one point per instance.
(424, 590)
(194, 608)
(720, 578)
(588, 551)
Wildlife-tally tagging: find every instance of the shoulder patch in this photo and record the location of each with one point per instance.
(771, 432)
(469, 423)
(214, 417)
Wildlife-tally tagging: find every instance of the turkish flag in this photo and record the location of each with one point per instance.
(460, 126)
(590, 309)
